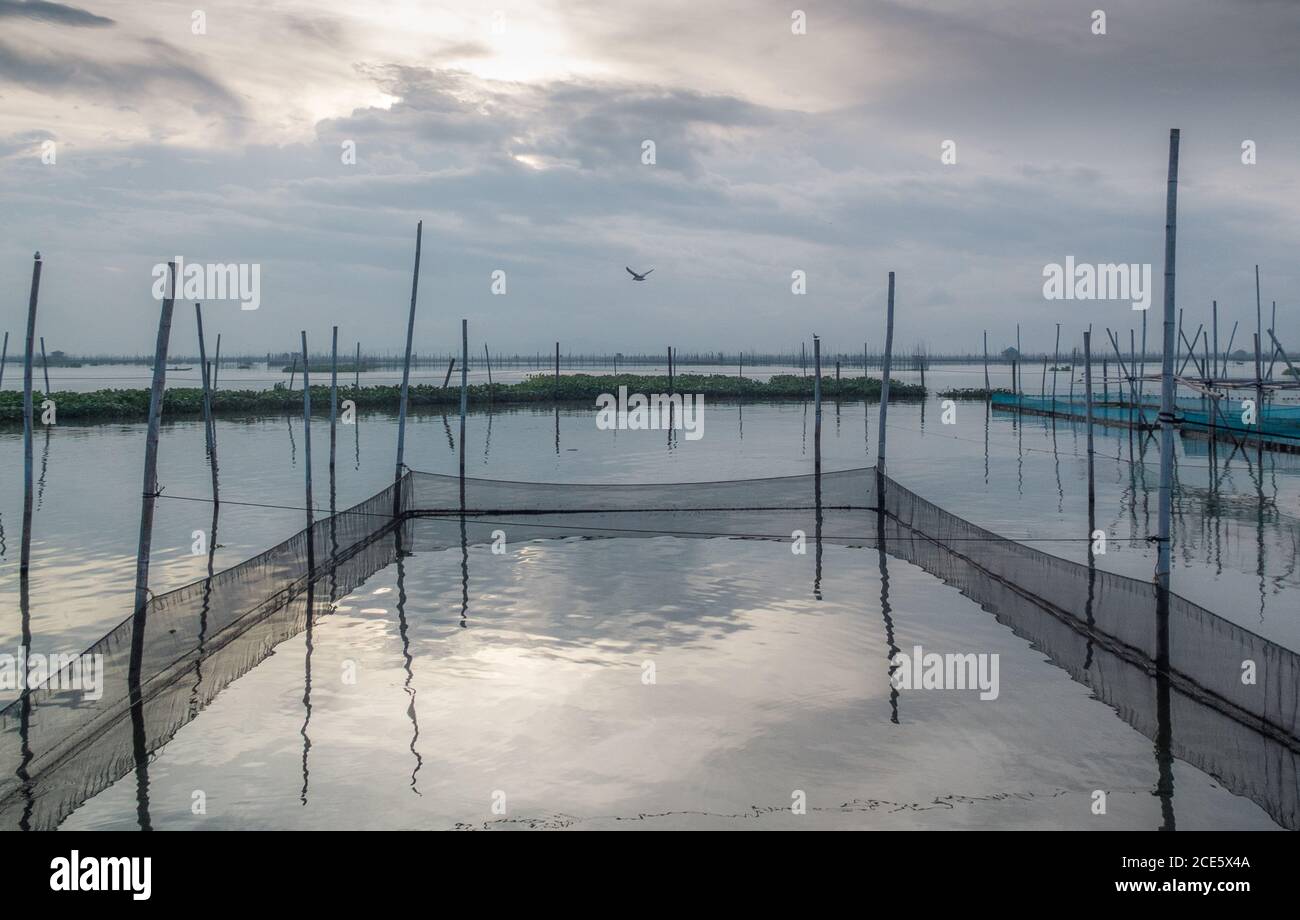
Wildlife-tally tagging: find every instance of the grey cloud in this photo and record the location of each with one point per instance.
(163, 69)
(57, 13)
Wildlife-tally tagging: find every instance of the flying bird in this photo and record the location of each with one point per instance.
(635, 276)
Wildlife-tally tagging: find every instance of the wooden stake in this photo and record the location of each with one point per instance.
(356, 371)
(4, 355)
(557, 370)
(487, 359)
(447, 378)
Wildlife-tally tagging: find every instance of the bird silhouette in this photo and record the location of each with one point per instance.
(635, 276)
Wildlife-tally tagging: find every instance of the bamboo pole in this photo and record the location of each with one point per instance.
(487, 359)
(447, 378)
(987, 389)
(817, 389)
(1056, 362)
(1167, 374)
(150, 491)
(1214, 312)
(306, 438)
(26, 556)
(45, 367)
(216, 363)
(406, 375)
(356, 371)
(1259, 395)
(557, 370)
(464, 389)
(293, 370)
(884, 380)
(4, 355)
(1087, 392)
(1259, 321)
(207, 394)
(334, 398)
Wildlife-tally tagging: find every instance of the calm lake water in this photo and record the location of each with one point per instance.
(762, 688)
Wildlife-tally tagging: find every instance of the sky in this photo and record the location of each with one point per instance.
(135, 132)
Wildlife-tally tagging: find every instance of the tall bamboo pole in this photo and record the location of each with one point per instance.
(817, 391)
(1167, 373)
(406, 375)
(1214, 312)
(26, 556)
(4, 355)
(884, 380)
(150, 491)
(988, 391)
(464, 388)
(334, 398)
(1087, 391)
(306, 437)
(356, 372)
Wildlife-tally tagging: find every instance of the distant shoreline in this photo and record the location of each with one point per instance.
(187, 402)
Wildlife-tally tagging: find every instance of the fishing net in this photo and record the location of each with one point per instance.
(57, 750)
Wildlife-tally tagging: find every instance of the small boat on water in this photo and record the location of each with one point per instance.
(180, 368)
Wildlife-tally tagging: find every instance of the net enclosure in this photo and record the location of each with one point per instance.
(1170, 668)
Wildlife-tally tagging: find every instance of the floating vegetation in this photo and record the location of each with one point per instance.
(969, 392)
(118, 405)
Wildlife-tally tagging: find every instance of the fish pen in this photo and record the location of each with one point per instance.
(1108, 632)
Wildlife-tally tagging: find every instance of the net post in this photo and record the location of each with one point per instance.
(406, 376)
(817, 395)
(884, 380)
(150, 491)
(464, 388)
(203, 369)
(45, 367)
(1167, 372)
(26, 557)
(306, 436)
(1087, 393)
(334, 397)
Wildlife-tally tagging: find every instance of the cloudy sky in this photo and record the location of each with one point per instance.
(515, 130)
